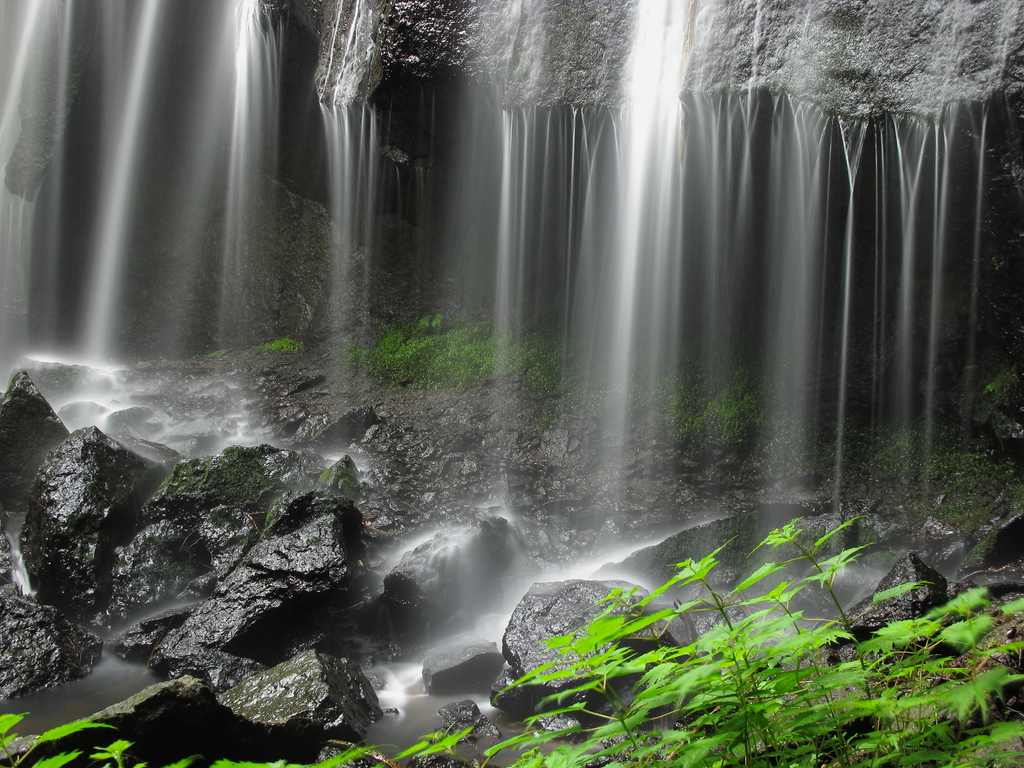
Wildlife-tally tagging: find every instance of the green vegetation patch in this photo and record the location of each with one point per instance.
(432, 355)
(282, 345)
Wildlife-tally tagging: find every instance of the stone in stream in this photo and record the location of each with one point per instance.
(280, 591)
(1002, 546)
(29, 429)
(84, 503)
(40, 648)
(869, 617)
(310, 697)
(446, 580)
(202, 521)
(461, 664)
(327, 432)
(459, 715)
(548, 610)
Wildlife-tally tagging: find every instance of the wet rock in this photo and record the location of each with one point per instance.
(868, 617)
(84, 503)
(462, 664)
(202, 521)
(137, 421)
(325, 432)
(58, 381)
(738, 536)
(281, 589)
(29, 429)
(439, 760)
(244, 479)
(447, 579)
(6, 564)
(342, 478)
(220, 670)
(41, 648)
(687, 627)
(459, 715)
(137, 642)
(548, 610)
(310, 697)
(81, 413)
(1002, 546)
(173, 720)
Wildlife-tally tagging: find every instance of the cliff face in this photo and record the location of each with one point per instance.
(855, 58)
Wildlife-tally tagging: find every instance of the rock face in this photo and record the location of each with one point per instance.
(462, 664)
(176, 719)
(1005, 544)
(84, 503)
(858, 59)
(287, 582)
(201, 522)
(41, 648)
(29, 429)
(311, 697)
(460, 715)
(446, 578)
(548, 610)
(868, 618)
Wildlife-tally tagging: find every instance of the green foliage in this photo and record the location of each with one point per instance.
(429, 355)
(7, 739)
(212, 355)
(282, 345)
(768, 689)
(765, 687)
(713, 411)
(928, 466)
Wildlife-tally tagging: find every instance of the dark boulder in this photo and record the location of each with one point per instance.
(84, 503)
(459, 715)
(202, 521)
(137, 642)
(220, 670)
(1002, 546)
(29, 429)
(282, 589)
(309, 698)
(461, 664)
(443, 582)
(137, 421)
(868, 617)
(738, 536)
(548, 610)
(173, 720)
(41, 648)
(244, 479)
(327, 432)
(170, 561)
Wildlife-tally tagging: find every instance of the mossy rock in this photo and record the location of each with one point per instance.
(240, 478)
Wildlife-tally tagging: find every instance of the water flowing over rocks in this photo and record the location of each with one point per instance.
(447, 580)
(41, 648)
(29, 429)
(461, 664)
(85, 502)
(311, 697)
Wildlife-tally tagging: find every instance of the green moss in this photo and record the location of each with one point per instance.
(211, 355)
(282, 345)
(430, 355)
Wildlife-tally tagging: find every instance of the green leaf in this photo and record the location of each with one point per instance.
(763, 572)
(57, 760)
(8, 721)
(66, 730)
(834, 531)
(965, 635)
(1014, 606)
(887, 594)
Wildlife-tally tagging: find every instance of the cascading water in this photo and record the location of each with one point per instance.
(737, 275)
